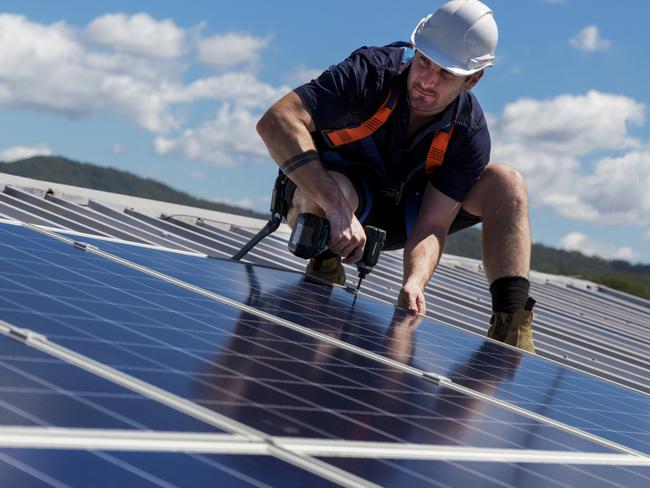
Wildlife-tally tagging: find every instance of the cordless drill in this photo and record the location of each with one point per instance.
(310, 234)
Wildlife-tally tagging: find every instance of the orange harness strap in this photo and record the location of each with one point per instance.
(340, 137)
(437, 150)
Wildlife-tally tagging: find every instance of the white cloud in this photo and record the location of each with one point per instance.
(646, 237)
(615, 192)
(575, 241)
(232, 49)
(551, 141)
(134, 66)
(589, 39)
(138, 34)
(16, 153)
(573, 124)
(197, 175)
(241, 88)
(47, 68)
(230, 137)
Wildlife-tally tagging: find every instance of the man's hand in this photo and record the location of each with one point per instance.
(411, 296)
(347, 237)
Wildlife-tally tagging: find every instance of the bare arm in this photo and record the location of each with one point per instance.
(424, 246)
(285, 129)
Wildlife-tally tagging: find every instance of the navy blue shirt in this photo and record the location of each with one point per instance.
(350, 92)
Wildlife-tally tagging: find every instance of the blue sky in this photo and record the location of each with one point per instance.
(172, 90)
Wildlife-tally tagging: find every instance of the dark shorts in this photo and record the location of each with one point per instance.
(380, 208)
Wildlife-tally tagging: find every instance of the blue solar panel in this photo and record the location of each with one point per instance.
(276, 380)
(265, 375)
(442, 474)
(538, 385)
(40, 390)
(31, 468)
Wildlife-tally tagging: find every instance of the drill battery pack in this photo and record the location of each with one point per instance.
(309, 235)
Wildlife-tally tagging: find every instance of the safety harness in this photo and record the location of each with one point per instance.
(340, 137)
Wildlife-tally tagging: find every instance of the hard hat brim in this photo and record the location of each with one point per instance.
(446, 62)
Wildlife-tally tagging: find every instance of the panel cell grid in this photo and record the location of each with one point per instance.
(548, 389)
(157, 340)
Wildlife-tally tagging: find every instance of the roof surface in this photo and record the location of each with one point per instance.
(138, 340)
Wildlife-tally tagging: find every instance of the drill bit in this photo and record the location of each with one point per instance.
(361, 277)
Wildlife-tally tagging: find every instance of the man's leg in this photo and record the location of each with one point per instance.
(500, 199)
(327, 266)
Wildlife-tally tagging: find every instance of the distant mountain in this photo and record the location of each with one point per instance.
(62, 170)
(620, 275)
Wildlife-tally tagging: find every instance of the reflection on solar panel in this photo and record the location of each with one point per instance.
(124, 364)
(258, 377)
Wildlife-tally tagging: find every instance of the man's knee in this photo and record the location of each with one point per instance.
(511, 185)
(303, 203)
(499, 185)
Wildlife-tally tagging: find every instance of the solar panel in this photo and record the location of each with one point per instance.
(243, 366)
(40, 390)
(535, 384)
(27, 468)
(568, 328)
(445, 474)
(577, 323)
(284, 358)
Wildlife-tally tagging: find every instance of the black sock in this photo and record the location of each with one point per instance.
(509, 294)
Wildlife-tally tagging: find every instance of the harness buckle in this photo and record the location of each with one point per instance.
(395, 192)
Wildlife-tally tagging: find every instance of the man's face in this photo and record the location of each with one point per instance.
(431, 89)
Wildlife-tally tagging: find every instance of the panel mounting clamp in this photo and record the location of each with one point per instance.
(26, 336)
(84, 246)
(439, 379)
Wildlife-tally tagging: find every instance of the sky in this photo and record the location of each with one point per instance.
(172, 91)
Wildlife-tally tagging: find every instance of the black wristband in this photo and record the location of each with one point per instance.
(292, 164)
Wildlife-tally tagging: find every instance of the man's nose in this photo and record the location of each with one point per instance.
(430, 78)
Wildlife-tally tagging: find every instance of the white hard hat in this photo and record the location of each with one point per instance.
(460, 36)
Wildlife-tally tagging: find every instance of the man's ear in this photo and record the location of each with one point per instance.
(472, 80)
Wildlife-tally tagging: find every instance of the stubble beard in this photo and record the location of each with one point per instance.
(419, 102)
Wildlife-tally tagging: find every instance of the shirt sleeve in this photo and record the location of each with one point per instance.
(347, 91)
(465, 160)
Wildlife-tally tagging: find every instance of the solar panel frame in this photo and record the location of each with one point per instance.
(46, 214)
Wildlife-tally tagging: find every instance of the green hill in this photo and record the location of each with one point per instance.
(66, 171)
(620, 275)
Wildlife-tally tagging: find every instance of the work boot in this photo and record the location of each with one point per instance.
(515, 328)
(328, 269)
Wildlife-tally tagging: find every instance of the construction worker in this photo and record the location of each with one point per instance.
(393, 137)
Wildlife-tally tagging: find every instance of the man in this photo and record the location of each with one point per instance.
(403, 145)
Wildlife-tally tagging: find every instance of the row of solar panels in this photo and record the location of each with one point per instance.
(288, 370)
(266, 372)
(592, 329)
